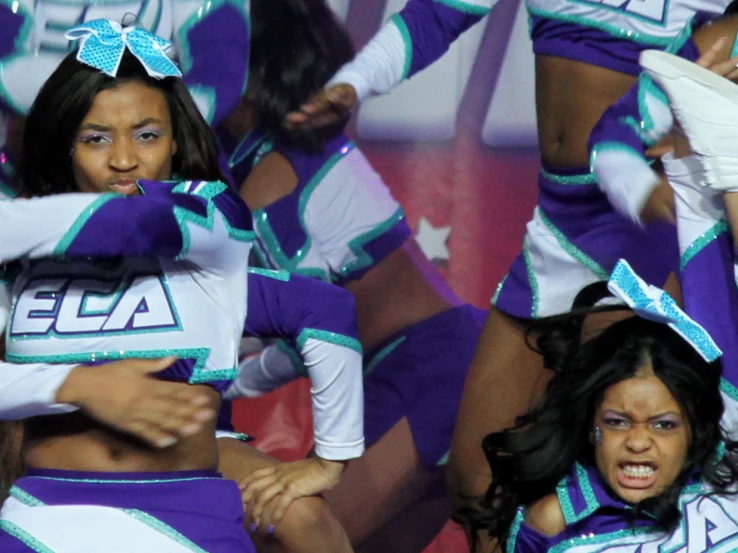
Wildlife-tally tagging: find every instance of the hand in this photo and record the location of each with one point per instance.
(323, 108)
(124, 395)
(727, 69)
(267, 492)
(660, 205)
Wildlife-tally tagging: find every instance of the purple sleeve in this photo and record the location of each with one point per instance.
(215, 57)
(293, 307)
(195, 220)
(431, 26)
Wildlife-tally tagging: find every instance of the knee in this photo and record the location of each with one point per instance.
(309, 514)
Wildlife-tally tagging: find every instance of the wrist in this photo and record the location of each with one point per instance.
(76, 387)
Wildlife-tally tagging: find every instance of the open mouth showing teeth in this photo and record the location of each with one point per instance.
(639, 471)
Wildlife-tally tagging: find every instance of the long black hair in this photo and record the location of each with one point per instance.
(61, 106)
(529, 459)
(296, 46)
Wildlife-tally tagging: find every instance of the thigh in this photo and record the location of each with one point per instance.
(388, 480)
(506, 378)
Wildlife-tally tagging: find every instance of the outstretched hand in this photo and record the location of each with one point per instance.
(124, 395)
(708, 60)
(325, 107)
(268, 492)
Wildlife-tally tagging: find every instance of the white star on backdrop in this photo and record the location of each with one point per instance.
(432, 240)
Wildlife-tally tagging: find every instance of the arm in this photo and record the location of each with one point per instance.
(203, 222)
(274, 366)
(409, 42)
(213, 49)
(321, 318)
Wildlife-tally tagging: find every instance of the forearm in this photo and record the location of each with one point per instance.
(411, 40)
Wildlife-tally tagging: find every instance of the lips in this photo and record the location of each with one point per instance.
(637, 474)
(127, 187)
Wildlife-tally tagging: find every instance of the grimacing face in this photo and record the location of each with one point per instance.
(644, 437)
(126, 135)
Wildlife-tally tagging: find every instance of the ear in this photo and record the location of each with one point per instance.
(174, 148)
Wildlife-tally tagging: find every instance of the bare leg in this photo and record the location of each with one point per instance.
(308, 525)
(505, 379)
(731, 208)
(11, 455)
(388, 489)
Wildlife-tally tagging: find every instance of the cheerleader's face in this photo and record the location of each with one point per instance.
(641, 437)
(126, 135)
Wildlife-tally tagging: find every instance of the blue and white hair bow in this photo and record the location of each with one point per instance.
(654, 304)
(103, 42)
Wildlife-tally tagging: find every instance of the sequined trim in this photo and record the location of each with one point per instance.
(116, 481)
(702, 241)
(572, 250)
(569, 180)
(297, 362)
(25, 497)
(66, 240)
(728, 389)
(281, 274)
(444, 459)
(356, 245)
(25, 537)
(399, 22)
(499, 290)
(163, 528)
(532, 279)
(200, 375)
(381, 355)
(330, 337)
(206, 190)
(471, 9)
(585, 487)
(626, 34)
(266, 233)
(514, 531)
(597, 539)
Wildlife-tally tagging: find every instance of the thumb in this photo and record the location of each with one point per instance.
(343, 94)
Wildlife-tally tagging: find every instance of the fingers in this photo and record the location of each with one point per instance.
(324, 108)
(708, 58)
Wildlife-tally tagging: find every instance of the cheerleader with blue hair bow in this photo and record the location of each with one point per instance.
(126, 246)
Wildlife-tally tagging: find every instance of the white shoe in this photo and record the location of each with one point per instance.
(706, 106)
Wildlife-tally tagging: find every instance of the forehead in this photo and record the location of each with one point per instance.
(640, 395)
(128, 104)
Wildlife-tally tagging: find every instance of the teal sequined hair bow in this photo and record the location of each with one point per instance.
(654, 304)
(103, 42)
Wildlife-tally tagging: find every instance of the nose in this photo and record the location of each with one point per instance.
(123, 156)
(639, 439)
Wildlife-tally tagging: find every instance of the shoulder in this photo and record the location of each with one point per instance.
(545, 516)
(272, 178)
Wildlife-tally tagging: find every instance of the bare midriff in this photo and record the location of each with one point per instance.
(398, 292)
(571, 96)
(77, 443)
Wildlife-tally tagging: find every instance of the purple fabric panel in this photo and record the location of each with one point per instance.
(284, 214)
(219, 46)
(711, 298)
(433, 28)
(205, 508)
(10, 26)
(528, 540)
(225, 415)
(552, 37)
(10, 544)
(516, 295)
(611, 128)
(284, 220)
(422, 379)
(584, 216)
(130, 226)
(234, 209)
(379, 248)
(282, 309)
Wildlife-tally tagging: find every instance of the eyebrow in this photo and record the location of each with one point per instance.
(655, 417)
(103, 128)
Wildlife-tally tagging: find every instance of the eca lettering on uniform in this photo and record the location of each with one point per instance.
(75, 307)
